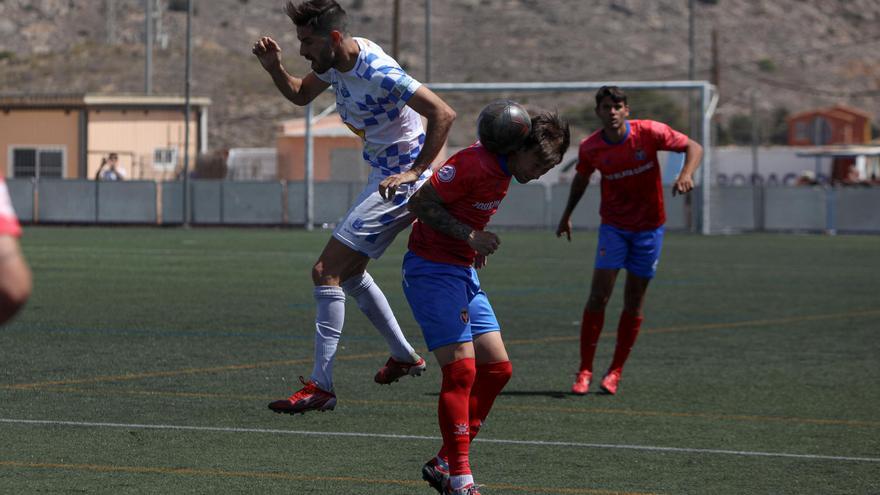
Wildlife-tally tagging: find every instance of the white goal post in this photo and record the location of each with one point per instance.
(708, 101)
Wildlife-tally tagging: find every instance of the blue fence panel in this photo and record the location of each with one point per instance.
(21, 192)
(857, 209)
(257, 203)
(524, 206)
(126, 202)
(67, 201)
(795, 208)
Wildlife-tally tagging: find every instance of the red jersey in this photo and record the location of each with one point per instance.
(632, 190)
(472, 184)
(8, 221)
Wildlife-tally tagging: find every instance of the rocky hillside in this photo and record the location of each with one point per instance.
(795, 54)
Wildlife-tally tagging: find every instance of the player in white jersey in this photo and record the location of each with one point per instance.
(382, 104)
(15, 277)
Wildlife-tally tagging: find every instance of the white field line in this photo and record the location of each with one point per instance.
(646, 448)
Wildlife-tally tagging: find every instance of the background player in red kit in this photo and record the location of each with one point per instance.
(631, 235)
(446, 244)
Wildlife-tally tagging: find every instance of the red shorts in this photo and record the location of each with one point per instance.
(8, 221)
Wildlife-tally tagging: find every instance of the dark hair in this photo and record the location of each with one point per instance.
(550, 135)
(322, 16)
(113, 156)
(616, 94)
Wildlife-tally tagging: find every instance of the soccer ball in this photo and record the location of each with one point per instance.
(503, 125)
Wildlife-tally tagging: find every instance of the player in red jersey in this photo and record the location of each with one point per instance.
(631, 235)
(441, 285)
(15, 277)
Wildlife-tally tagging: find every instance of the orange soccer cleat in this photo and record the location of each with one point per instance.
(308, 398)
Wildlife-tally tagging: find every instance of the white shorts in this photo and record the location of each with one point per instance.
(372, 223)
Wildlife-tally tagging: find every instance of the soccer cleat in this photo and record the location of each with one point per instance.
(394, 370)
(435, 474)
(610, 382)
(309, 398)
(470, 489)
(582, 382)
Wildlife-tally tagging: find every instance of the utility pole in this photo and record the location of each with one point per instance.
(110, 21)
(148, 47)
(186, 201)
(427, 41)
(395, 32)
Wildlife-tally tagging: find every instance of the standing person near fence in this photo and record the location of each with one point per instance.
(631, 234)
(446, 246)
(380, 103)
(15, 276)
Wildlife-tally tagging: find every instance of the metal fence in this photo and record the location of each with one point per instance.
(217, 202)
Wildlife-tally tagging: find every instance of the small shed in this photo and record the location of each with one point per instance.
(839, 124)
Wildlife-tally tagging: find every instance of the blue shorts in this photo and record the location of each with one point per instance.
(446, 301)
(638, 252)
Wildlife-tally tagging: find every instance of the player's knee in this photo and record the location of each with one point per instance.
(597, 301)
(13, 296)
(321, 275)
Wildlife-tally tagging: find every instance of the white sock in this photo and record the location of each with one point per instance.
(460, 481)
(329, 318)
(373, 303)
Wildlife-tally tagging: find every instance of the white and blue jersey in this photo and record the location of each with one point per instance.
(371, 99)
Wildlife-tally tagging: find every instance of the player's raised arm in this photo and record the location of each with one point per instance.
(440, 117)
(692, 158)
(578, 187)
(427, 205)
(299, 91)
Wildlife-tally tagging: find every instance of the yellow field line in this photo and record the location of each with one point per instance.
(546, 409)
(706, 326)
(270, 364)
(185, 371)
(285, 476)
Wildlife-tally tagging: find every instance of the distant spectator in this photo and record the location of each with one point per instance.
(110, 169)
(807, 178)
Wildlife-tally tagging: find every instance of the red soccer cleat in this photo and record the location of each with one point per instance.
(435, 474)
(470, 489)
(610, 382)
(309, 398)
(394, 370)
(582, 382)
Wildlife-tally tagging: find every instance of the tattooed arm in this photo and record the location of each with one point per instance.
(427, 205)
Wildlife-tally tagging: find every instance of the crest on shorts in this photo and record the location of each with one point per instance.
(446, 173)
(465, 317)
(358, 224)
(602, 252)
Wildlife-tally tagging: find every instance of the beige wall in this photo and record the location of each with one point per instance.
(40, 129)
(291, 155)
(134, 134)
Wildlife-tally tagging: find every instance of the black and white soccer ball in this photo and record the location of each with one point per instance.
(503, 126)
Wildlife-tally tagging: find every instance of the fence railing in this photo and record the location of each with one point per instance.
(218, 202)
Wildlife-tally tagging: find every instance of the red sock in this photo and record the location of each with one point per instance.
(627, 331)
(491, 379)
(591, 328)
(452, 412)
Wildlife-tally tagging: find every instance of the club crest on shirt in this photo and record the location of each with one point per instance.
(640, 154)
(446, 173)
(602, 252)
(465, 317)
